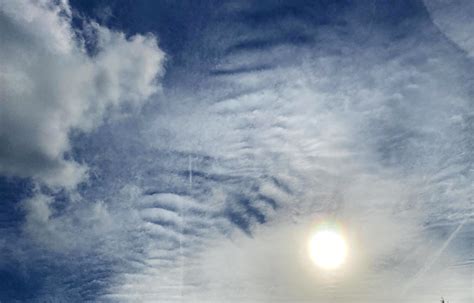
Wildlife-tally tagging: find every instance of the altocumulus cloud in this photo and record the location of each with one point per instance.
(301, 111)
(366, 122)
(54, 82)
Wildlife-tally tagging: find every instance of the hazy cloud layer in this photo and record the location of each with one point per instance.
(376, 135)
(275, 116)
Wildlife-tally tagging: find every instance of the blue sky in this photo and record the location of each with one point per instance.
(183, 151)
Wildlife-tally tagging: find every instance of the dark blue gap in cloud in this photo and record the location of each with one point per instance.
(240, 70)
(174, 22)
(12, 192)
(16, 284)
(39, 276)
(244, 214)
(262, 44)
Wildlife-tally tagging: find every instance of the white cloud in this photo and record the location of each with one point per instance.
(376, 137)
(51, 86)
(360, 135)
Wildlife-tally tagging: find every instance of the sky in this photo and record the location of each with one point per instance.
(185, 151)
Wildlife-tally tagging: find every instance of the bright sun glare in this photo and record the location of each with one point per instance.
(328, 249)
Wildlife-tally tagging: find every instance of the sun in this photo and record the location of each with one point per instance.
(328, 249)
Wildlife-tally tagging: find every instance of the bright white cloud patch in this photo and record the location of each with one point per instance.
(50, 86)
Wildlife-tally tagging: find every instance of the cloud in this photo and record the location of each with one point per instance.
(52, 86)
(374, 131)
(71, 230)
(212, 196)
(453, 20)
